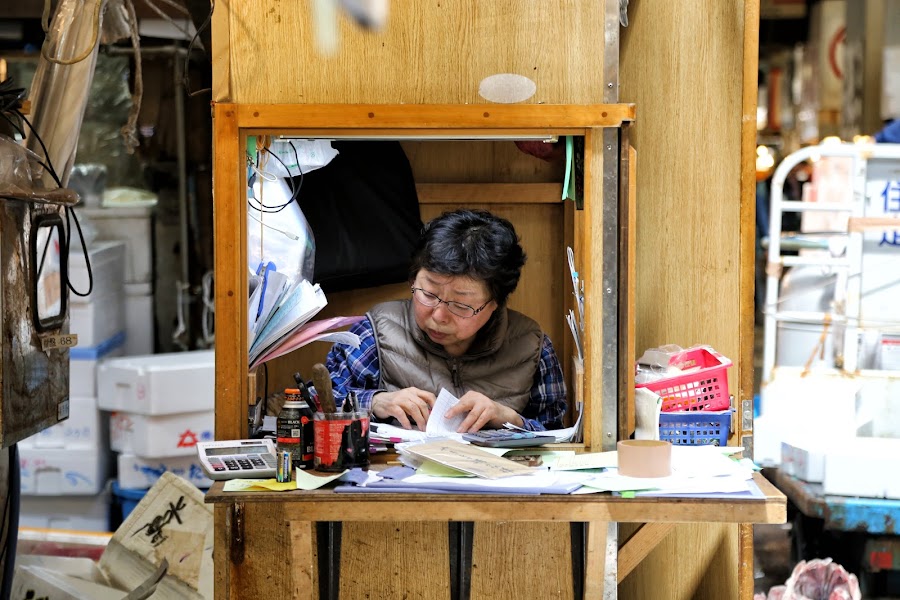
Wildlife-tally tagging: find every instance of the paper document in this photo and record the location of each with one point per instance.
(438, 424)
(587, 460)
(299, 305)
(468, 458)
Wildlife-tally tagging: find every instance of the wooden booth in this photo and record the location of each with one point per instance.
(420, 81)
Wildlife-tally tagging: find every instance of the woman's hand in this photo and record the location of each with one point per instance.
(482, 412)
(403, 405)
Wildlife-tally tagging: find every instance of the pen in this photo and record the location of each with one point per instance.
(313, 401)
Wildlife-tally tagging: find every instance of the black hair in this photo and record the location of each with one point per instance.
(473, 243)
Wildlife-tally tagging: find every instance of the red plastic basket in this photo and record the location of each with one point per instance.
(705, 388)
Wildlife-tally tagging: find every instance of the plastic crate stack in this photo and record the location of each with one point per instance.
(696, 405)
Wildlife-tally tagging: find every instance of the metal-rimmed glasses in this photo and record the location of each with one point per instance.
(459, 309)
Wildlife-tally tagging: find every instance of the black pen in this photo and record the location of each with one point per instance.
(313, 401)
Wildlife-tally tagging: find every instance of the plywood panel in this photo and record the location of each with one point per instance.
(521, 560)
(395, 560)
(435, 51)
(266, 570)
(684, 66)
(479, 162)
(694, 562)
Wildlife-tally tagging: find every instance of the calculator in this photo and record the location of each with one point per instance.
(507, 438)
(237, 459)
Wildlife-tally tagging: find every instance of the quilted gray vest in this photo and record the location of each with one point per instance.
(500, 364)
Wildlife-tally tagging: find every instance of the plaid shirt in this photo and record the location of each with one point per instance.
(357, 369)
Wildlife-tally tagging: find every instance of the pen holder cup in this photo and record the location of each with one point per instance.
(341, 440)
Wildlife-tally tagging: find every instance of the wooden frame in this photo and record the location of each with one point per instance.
(606, 564)
(233, 122)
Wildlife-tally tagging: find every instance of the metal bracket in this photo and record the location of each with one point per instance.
(746, 415)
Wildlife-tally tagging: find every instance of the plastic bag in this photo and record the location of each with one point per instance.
(654, 364)
(277, 230)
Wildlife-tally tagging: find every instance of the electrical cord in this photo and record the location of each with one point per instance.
(71, 215)
(295, 191)
(186, 79)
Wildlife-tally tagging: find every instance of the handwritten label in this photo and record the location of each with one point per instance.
(154, 529)
(59, 341)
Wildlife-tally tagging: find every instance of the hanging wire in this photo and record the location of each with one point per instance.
(187, 58)
(70, 214)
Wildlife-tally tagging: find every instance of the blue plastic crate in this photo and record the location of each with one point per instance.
(695, 428)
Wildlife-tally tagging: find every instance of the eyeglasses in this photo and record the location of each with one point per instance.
(457, 308)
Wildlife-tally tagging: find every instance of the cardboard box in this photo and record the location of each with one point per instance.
(158, 384)
(63, 471)
(160, 436)
(171, 522)
(137, 473)
(83, 428)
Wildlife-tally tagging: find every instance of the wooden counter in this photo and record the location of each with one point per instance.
(605, 563)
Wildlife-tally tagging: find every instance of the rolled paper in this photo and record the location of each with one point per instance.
(644, 458)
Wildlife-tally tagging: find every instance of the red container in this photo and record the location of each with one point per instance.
(703, 387)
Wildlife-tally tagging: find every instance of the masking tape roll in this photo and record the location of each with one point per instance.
(644, 458)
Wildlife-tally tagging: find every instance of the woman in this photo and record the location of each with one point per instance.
(456, 333)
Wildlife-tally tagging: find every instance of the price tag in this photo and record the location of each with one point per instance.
(53, 342)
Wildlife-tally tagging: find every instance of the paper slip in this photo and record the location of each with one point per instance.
(587, 460)
(303, 480)
(438, 424)
(468, 458)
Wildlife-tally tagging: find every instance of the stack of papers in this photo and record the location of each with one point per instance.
(279, 317)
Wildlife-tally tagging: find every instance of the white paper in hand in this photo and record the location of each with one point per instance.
(437, 423)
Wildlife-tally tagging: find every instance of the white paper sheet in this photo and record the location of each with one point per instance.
(438, 424)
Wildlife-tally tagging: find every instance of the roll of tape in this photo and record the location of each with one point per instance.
(644, 458)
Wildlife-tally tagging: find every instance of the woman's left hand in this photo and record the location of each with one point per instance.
(483, 412)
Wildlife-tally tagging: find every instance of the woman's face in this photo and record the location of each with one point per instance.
(451, 331)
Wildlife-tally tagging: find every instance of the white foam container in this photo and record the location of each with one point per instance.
(134, 226)
(83, 428)
(83, 364)
(161, 435)
(98, 320)
(138, 473)
(63, 471)
(107, 269)
(74, 513)
(158, 384)
(139, 319)
(865, 467)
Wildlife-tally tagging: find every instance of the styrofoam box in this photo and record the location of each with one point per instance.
(63, 471)
(83, 364)
(79, 513)
(162, 435)
(866, 467)
(139, 319)
(134, 226)
(137, 473)
(158, 384)
(804, 460)
(98, 320)
(107, 269)
(83, 428)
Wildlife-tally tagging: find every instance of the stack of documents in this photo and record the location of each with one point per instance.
(279, 316)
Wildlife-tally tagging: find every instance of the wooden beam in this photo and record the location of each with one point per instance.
(443, 117)
(595, 560)
(489, 193)
(639, 545)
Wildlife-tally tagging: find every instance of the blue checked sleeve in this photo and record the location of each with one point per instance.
(356, 369)
(547, 405)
